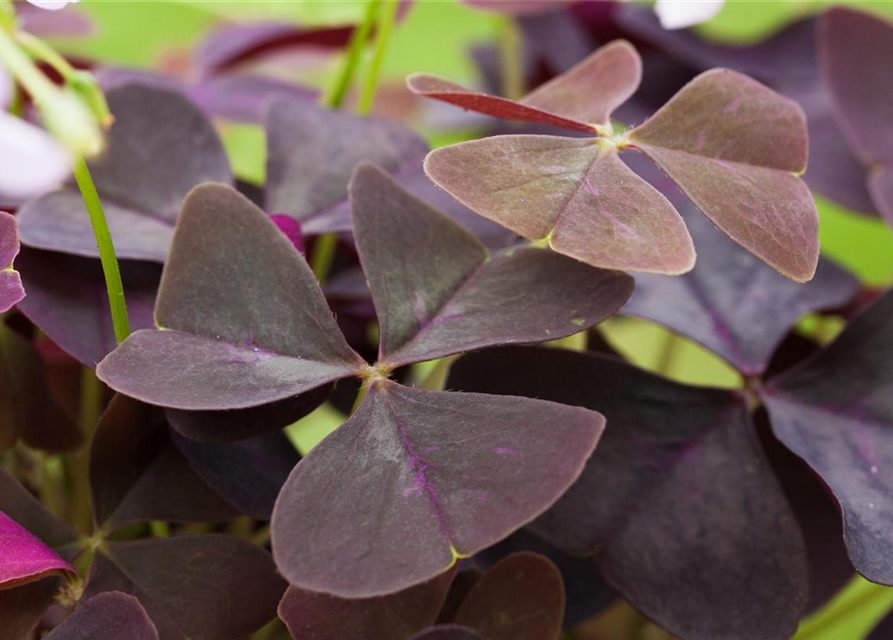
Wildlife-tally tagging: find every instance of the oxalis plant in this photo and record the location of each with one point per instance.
(496, 464)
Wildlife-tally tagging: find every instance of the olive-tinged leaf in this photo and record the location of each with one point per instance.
(521, 597)
(880, 185)
(311, 153)
(733, 145)
(247, 474)
(438, 291)
(137, 474)
(22, 608)
(28, 407)
(834, 411)
(108, 616)
(160, 146)
(11, 291)
(244, 320)
(219, 427)
(24, 558)
(431, 477)
(678, 504)
(579, 99)
(852, 45)
(318, 616)
(732, 303)
(68, 300)
(21, 506)
(576, 193)
(190, 585)
(447, 632)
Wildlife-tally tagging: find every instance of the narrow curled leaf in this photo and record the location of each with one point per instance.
(108, 616)
(578, 194)
(11, 291)
(431, 477)
(238, 331)
(438, 291)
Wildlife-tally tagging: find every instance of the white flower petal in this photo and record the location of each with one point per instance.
(31, 161)
(679, 14)
(52, 5)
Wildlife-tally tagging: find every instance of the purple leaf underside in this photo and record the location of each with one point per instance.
(24, 558)
(108, 616)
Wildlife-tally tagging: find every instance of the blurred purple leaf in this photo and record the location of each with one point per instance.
(11, 291)
(108, 616)
(22, 608)
(438, 291)
(17, 503)
(432, 477)
(447, 632)
(160, 146)
(515, 7)
(71, 23)
(24, 558)
(244, 98)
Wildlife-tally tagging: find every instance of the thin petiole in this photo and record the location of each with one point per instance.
(335, 97)
(382, 36)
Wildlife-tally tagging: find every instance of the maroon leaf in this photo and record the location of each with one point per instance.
(576, 194)
(579, 99)
(438, 291)
(520, 598)
(24, 558)
(732, 303)
(732, 145)
(237, 332)
(160, 146)
(678, 504)
(24, 509)
(188, 585)
(318, 616)
(22, 608)
(432, 477)
(834, 412)
(11, 291)
(108, 616)
(447, 632)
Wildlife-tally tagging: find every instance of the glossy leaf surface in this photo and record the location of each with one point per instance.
(432, 476)
(438, 291)
(24, 558)
(834, 412)
(317, 616)
(160, 146)
(576, 193)
(238, 332)
(679, 504)
(108, 616)
(11, 291)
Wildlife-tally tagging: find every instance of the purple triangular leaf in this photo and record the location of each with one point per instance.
(189, 585)
(733, 146)
(834, 412)
(247, 474)
(447, 632)
(852, 46)
(433, 476)
(732, 303)
(237, 331)
(438, 291)
(68, 300)
(317, 616)
(577, 194)
(521, 597)
(22, 608)
(108, 616)
(137, 474)
(17, 503)
(11, 291)
(678, 504)
(313, 151)
(160, 146)
(24, 558)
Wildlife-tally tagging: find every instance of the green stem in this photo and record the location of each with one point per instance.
(335, 97)
(110, 268)
(510, 54)
(78, 464)
(382, 37)
(23, 69)
(40, 50)
(667, 352)
(323, 256)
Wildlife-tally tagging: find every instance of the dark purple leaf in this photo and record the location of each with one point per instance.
(579, 99)
(883, 629)
(245, 98)
(137, 474)
(447, 632)
(834, 411)
(68, 300)
(679, 504)
(520, 598)
(204, 587)
(108, 616)
(438, 291)
(237, 331)
(247, 474)
(21, 506)
(732, 303)
(318, 616)
(576, 194)
(24, 558)
(22, 608)
(312, 152)
(11, 291)
(28, 407)
(160, 146)
(733, 146)
(431, 477)
(556, 38)
(462, 583)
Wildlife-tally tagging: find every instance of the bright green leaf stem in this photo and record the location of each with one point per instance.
(382, 36)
